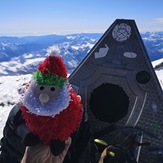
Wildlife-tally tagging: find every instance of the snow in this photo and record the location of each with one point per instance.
(28, 55)
(14, 65)
(159, 72)
(72, 64)
(10, 86)
(71, 37)
(83, 46)
(31, 61)
(154, 63)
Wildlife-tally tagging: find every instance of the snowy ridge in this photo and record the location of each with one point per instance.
(159, 71)
(22, 55)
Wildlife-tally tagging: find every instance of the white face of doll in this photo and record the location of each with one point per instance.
(46, 100)
(47, 93)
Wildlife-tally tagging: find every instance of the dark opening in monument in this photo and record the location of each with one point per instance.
(109, 103)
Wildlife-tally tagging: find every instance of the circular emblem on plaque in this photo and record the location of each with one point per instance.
(121, 32)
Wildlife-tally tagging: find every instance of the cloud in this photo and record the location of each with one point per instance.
(159, 20)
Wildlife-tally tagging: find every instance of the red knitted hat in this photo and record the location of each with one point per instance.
(53, 69)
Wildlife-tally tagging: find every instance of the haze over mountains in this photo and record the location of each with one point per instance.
(21, 55)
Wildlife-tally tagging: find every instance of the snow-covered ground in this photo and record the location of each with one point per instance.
(159, 72)
(10, 86)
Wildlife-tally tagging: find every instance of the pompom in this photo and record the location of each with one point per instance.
(53, 51)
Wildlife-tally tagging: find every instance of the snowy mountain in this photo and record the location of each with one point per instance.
(20, 55)
(154, 44)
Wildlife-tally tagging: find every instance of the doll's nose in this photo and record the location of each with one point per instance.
(44, 98)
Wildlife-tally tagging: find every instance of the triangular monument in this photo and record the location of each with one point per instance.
(118, 85)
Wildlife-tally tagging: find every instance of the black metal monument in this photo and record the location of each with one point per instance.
(118, 86)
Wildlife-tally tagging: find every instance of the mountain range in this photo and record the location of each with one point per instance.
(21, 55)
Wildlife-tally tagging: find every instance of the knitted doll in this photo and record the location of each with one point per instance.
(50, 107)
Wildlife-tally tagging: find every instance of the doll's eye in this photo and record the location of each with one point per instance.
(52, 89)
(42, 88)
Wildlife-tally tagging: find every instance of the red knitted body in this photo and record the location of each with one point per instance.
(60, 127)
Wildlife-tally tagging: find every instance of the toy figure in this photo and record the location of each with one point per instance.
(50, 107)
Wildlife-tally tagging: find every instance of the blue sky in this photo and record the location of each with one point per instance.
(41, 17)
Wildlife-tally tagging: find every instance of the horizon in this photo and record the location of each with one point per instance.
(69, 34)
(39, 17)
